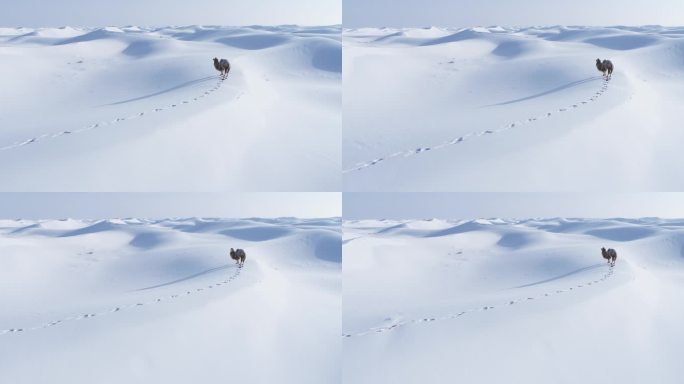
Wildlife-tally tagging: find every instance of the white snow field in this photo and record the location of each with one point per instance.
(513, 301)
(142, 109)
(512, 109)
(160, 301)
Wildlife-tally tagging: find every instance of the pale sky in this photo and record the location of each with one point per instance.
(464, 13)
(94, 13)
(511, 205)
(164, 205)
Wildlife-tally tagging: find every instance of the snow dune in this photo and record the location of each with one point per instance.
(137, 300)
(529, 301)
(141, 109)
(503, 109)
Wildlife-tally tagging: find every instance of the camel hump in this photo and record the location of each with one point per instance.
(225, 64)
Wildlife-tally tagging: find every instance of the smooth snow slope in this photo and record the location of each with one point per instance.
(142, 109)
(513, 301)
(160, 301)
(503, 109)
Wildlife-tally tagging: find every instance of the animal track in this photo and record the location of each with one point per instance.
(107, 123)
(471, 135)
(475, 309)
(120, 308)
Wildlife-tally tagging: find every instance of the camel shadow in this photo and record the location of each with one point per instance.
(187, 277)
(175, 87)
(598, 265)
(550, 91)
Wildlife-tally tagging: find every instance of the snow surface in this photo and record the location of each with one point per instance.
(142, 109)
(512, 109)
(513, 301)
(160, 301)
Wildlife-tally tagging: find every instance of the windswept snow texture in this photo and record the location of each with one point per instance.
(523, 109)
(513, 301)
(143, 109)
(160, 301)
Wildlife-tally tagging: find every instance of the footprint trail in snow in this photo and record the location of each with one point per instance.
(472, 135)
(483, 308)
(90, 315)
(110, 123)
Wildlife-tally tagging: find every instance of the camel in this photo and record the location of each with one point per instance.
(609, 255)
(223, 66)
(605, 66)
(239, 256)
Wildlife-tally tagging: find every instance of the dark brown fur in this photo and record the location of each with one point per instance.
(223, 66)
(238, 255)
(605, 66)
(610, 255)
